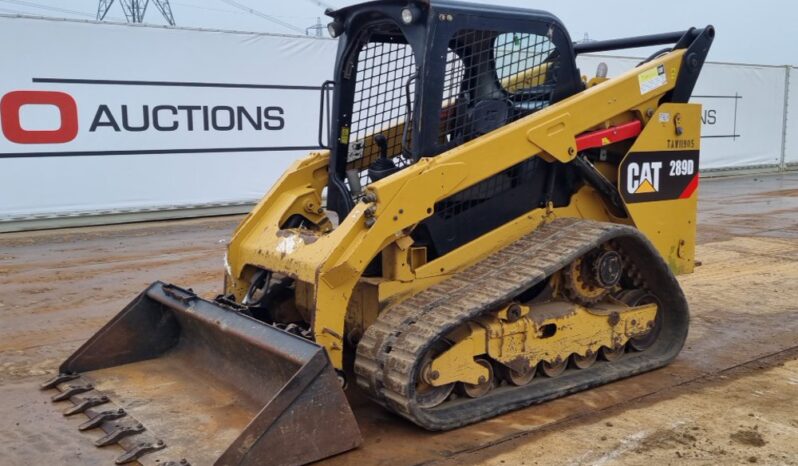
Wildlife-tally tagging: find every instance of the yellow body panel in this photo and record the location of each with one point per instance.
(670, 224)
(331, 263)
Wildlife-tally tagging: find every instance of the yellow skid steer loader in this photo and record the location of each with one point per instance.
(483, 229)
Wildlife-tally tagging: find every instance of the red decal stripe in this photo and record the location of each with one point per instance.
(614, 134)
(690, 189)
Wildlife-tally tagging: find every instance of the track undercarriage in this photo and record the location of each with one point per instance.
(521, 327)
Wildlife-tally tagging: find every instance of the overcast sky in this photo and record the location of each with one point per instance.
(747, 31)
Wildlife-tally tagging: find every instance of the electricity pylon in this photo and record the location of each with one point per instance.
(135, 9)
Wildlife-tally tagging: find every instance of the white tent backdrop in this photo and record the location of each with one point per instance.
(742, 115)
(791, 145)
(107, 118)
(170, 115)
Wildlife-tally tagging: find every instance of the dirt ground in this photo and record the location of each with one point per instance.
(730, 398)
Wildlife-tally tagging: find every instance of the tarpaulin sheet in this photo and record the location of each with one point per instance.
(100, 117)
(108, 118)
(791, 146)
(743, 109)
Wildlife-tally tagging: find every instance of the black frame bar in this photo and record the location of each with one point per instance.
(630, 42)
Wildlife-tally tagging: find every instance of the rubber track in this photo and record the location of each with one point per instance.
(392, 347)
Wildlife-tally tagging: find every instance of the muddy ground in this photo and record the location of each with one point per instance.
(730, 398)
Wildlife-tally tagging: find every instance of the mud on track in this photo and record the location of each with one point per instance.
(733, 388)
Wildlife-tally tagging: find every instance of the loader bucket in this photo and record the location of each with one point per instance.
(174, 378)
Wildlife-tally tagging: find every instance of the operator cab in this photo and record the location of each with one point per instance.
(414, 79)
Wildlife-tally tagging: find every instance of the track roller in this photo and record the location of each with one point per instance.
(583, 362)
(519, 379)
(555, 368)
(484, 386)
(612, 354)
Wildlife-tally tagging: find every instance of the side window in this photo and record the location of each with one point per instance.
(381, 106)
(525, 63)
(380, 100)
(492, 78)
(453, 96)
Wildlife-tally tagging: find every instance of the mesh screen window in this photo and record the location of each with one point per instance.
(384, 70)
(492, 79)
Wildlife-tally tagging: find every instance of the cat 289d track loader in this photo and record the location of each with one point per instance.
(484, 230)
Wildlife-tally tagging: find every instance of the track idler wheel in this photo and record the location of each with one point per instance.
(484, 386)
(637, 298)
(428, 395)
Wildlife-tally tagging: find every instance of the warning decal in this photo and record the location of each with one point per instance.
(651, 79)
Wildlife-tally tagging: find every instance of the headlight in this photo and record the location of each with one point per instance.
(407, 16)
(335, 29)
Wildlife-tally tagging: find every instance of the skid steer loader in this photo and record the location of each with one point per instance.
(484, 229)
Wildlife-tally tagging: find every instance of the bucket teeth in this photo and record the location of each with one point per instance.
(88, 402)
(99, 418)
(60, 378)
(115, 431)
(119, 432)
(139, 450)
(72, 390)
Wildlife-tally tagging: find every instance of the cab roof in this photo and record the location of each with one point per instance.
(448, 6)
